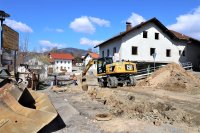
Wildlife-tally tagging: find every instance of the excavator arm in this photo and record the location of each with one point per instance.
(85, 70)
(87, 67)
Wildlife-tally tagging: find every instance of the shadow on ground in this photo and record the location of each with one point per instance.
(55, 125)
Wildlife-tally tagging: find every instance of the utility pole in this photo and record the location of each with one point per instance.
(3, 16)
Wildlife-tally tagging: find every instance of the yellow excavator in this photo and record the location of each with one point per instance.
(112, 74)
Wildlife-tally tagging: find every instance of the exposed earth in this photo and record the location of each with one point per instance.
(168, 101)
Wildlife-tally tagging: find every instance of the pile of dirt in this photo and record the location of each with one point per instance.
(172, 77)
(126, 105)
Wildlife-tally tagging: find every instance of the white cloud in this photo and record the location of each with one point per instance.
(135, 19)
(44, 49)
(86, 24)
(100, 22)
(48, 45)
(83, 25)
(86, 41)
(18, 26)
(188, 24)
(59, 30)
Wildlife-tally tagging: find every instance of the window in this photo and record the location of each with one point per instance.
(68, 67)
(180, 52)
(108, 52)
(144, 34)
(61, 62)
(183, 54)
(65, 62)
(152, 51)
(102, 53)
(61, 68)
(156, 36)
(68, 62)
(134, 50)
(57, 61)
(114, 51)
(168, 53)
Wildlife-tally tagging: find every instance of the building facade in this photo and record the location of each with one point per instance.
(149, 38)
(88, 57)
(61, 62)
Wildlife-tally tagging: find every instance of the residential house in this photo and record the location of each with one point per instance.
(38, 64)
(61, 62)
(88, 57)
(141, 42)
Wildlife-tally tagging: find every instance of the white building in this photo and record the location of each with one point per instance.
(61, 62)
(37, 64)
(88, 57)
(140, 42)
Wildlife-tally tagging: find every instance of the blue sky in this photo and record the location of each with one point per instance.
(85, 23)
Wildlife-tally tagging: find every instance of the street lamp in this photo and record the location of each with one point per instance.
(3, 16)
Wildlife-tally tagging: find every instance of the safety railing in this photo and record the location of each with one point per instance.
(143, 73)
(187, 65)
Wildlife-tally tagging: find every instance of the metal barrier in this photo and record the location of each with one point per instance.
(144, 73)
(187, 65)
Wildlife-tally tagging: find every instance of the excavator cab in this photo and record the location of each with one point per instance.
(101, 64)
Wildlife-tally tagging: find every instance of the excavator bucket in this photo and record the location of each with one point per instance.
(23, 110)
(83, 79)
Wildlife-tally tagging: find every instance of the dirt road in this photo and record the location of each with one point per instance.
(133, 109)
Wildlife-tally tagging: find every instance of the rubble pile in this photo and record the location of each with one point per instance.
(172, 77)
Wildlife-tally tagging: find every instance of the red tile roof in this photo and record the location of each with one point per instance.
(62, 56)
(94, 55)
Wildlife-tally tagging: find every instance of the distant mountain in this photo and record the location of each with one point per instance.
(74, 51)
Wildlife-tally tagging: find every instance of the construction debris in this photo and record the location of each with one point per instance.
(24, 110)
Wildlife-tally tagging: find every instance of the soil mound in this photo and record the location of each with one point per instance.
(127, 105)
(172, 77)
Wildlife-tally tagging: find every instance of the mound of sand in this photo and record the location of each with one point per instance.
(172, 77)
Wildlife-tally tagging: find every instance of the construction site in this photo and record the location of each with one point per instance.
(166, 101)
(134, 89)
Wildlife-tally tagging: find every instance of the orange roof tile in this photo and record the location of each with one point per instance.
(62, 56)
(94, 55)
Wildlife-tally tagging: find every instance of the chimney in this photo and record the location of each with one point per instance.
(128, 26)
